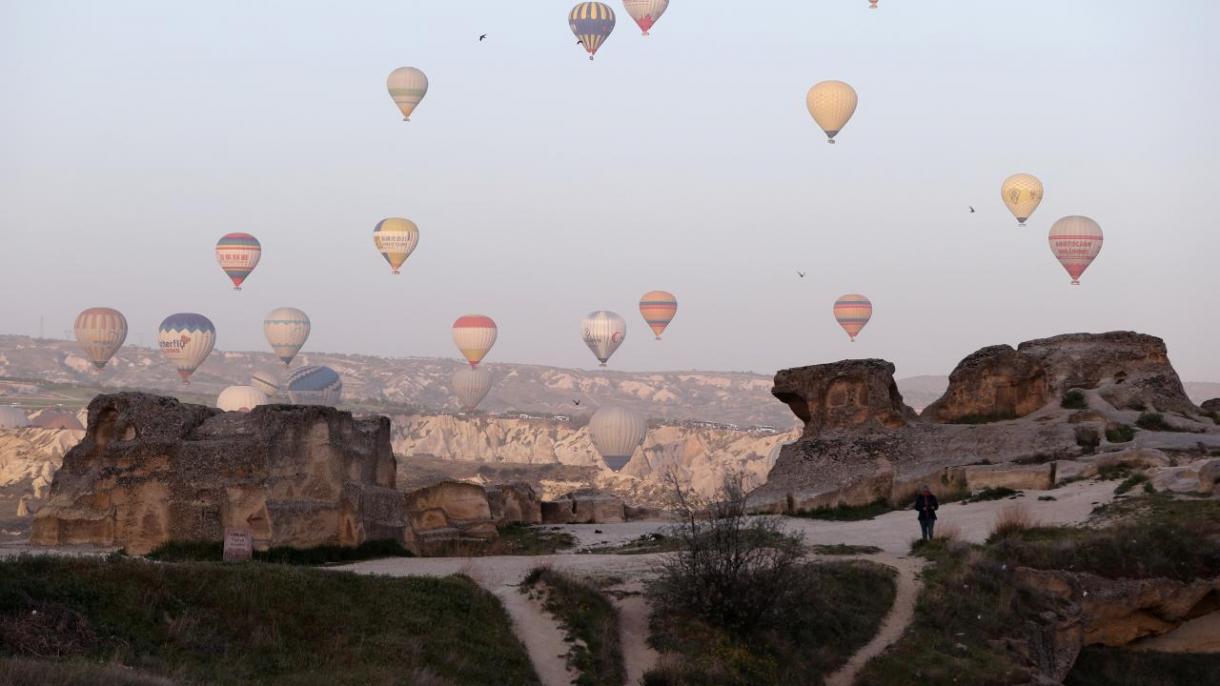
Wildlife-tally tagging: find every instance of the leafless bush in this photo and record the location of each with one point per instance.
(735, 571)
(949, 533)
(1012, 520)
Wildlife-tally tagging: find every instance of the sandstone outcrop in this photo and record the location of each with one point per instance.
(445, 513)
(584, 507)
(999, 423)
(515, 503)
(1085, 609)
(151, 469)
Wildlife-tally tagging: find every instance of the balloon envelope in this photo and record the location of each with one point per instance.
(315, 385)
(645, 12)
(407, 86)
(658, 309)
(286, 329)
(617, 432)
(1075, 242)
(240, 399)
(100, 331)
(395, 239)
(831, 103)
(238, 254)
(266, 381)
(186, 339)
(853, 311)
(474, 334)
(471, 386)
(1022, 193)
(592, 23)
(603, 332)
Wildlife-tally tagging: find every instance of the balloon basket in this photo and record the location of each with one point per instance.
(590, 58)
(603, 364)
(1075, 283)
(830, 140)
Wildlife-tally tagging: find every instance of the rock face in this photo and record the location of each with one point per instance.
(516, 503)
(448, 512)
(1211, 407)
(584, 507)
(994, 382)
(1085, 609)
(861, 443)
(151, 469)
(850, 394)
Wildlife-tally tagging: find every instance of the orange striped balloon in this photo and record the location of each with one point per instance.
(100, 331)
(474, 334)
(658, 309)
(853, 311)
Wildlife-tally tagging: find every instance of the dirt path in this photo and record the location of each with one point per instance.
(541, 634)
(633, 615)
(895, 622)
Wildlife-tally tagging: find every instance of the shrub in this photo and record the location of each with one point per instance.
(205, 551)
(1153, 421)
(1122, 433)
(1110, 472)
(992, 493)
(1131, 482)
(1013, 519)
(1074, 400)
(847, 513)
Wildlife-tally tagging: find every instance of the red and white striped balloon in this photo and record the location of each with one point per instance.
(853, 311)
(1075, 241)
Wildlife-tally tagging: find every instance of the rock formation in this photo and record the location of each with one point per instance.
(446, 513)
(999, 423)
(515, 503)
(151, 469)
(584, 507)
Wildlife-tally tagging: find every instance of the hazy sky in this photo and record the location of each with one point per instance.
(134, 134)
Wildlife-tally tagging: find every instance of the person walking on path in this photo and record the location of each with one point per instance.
(925, 505)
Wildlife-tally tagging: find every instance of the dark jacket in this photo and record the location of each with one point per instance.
(926, 506)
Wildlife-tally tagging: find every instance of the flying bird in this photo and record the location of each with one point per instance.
(482, 37)
(801, 274)
(576, 403)
(972, 209)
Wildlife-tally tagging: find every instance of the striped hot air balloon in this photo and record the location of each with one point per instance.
(100, 331)
(238, 254)
(645, 12)
(1076, 242)
(603, 332)
(617, 432)
(831, 103)
(1021, 193)
(853, 311)
(407, 86)
(658, 309)
(186, 339)
(315, 385)
(474, 334)
(240, 399)
(471, 386)
(286, 329)
(395, 239)
(592, 23)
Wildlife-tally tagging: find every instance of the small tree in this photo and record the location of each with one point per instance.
(733, 570)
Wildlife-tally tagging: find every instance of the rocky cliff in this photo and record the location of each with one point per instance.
(151, 469)
(29, 459)
(1003, 405)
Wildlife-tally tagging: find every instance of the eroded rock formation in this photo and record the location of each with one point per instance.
(1001, 422)
(151, 469)
(448, 512)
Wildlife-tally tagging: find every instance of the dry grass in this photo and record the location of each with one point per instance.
(949, 533)
(1013, 519)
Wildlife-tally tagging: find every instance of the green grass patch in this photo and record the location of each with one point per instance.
(1074, 400)
(1131, 482)
(1112, 472)
(845, 549)
(1123, 433)
(513, 539)
(847, 513)
(1102, 666)
(646, 544)
(990, 493)
(21, 671)
(211, 551)
(1154, 421)
(269, 624)
(840, 611)
(591, 624)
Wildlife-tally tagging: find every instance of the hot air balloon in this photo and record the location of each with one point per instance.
(315, 386)
(396, 239)
(407, 86)
(240, 399)
(872, 4)
(474, 334)
(658, 308)
(286, 329)
(186, 340)
(853, 311)
(592, 23)
(603, 332)
(1075, 241)
(831, 103)
(645, 12)
(238, 255)
(266, 381)
(11, 417)
(1021, 193)
(616, 433)
(471, 386)
(100, 331)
